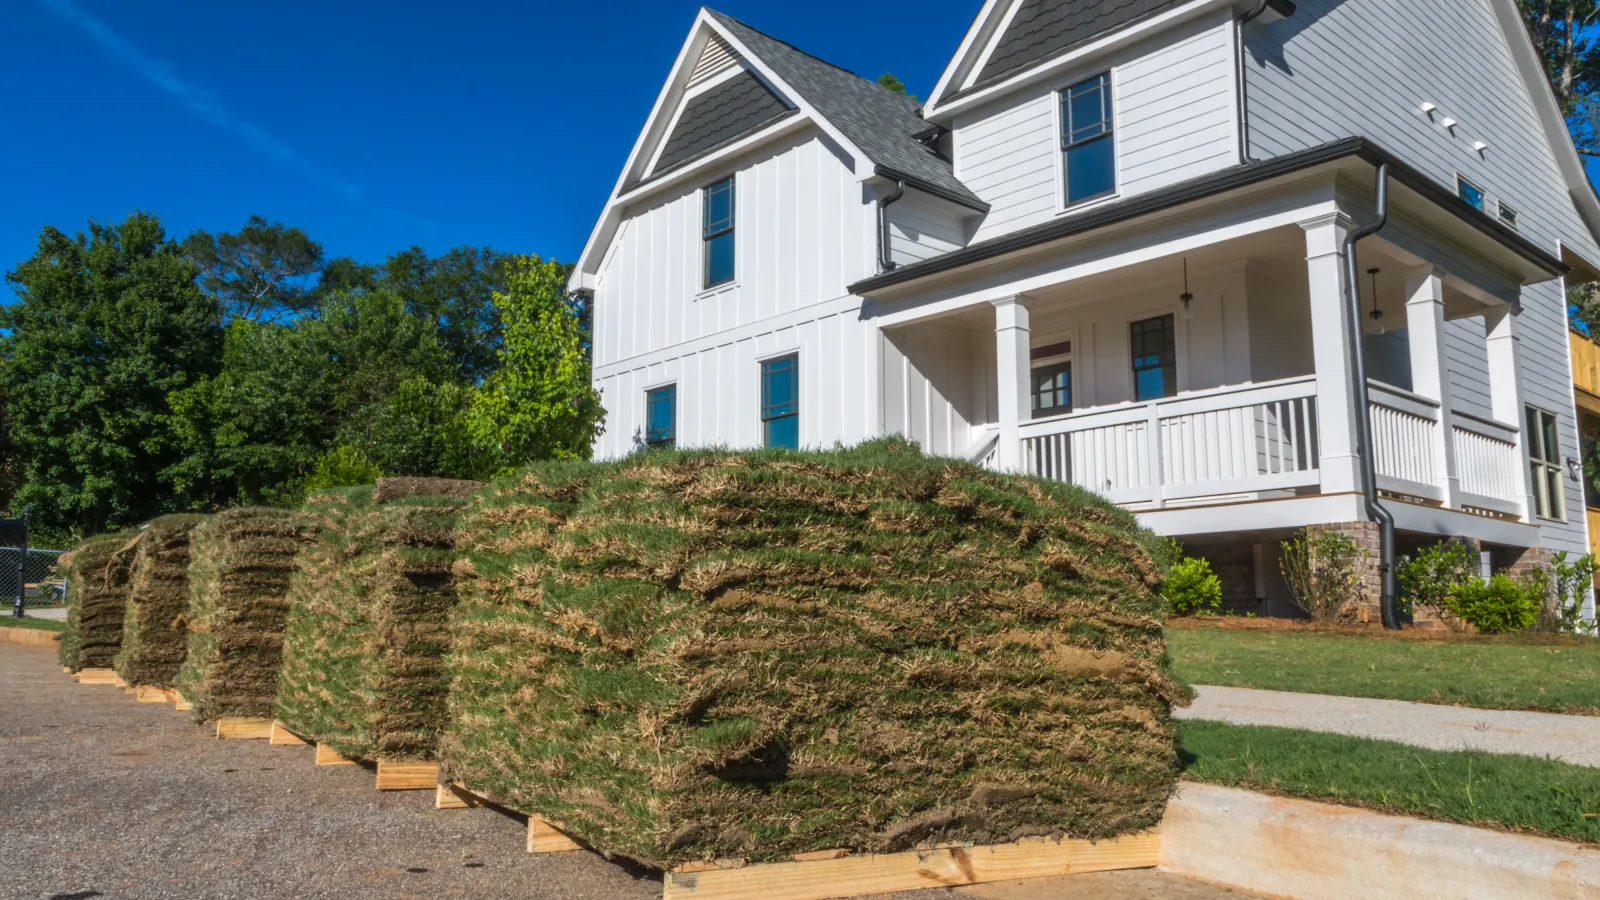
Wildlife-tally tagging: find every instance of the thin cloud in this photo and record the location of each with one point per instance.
(202, 101)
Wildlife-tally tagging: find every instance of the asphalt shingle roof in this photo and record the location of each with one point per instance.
(733, 108)
(1043, 28)
(880, 122)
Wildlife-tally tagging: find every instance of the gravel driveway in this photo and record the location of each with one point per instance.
(103, 797)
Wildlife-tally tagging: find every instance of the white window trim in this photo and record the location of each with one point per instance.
(1062, 208)
(1462, 179)
(700, 241)
(677, 397)
(1558, 504)
(1070, 334)
(799, 388)
(1180, 339)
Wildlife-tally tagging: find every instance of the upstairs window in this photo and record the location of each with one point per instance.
(1544, 456)
(1155, 357)
(1469, 192)
(1507, 215)
(661, 416)
(780, 402)
(1087, 144)
(1052, 379)
(717, 232)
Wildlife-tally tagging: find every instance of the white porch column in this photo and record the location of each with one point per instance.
(1011, 354)
(1505, 391)
(1332, 349)
(1429, 375)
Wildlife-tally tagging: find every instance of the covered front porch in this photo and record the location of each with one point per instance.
(1204, 380)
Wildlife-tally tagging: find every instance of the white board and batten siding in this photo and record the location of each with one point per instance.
(1174, 113)
(1339, 68)
(803, 234)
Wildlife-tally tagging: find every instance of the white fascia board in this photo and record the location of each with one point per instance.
(941, 113)
(979, 33)
(697, 169)
(1549, 112)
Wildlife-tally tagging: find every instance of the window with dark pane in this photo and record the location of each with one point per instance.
(1051, 366)
(1155, 357)
(1544, 459)
(661, 416)
(1087, 143)
(717, 232)
(1469, 192)
(780, 402)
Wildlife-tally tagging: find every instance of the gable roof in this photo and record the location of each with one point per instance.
(882, 124)
(727, 111)
(1043, 28)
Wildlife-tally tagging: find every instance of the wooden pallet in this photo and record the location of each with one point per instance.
(119, 682)
(813, 878)
(180, 704)
(283, 737)
(407, 776)
(454, 796)
(544, 837)
(97, 676)
(241, 728)
(145, 693)
(327, 756)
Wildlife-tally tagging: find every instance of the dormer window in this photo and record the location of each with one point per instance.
(717, 232)
(1088, 145)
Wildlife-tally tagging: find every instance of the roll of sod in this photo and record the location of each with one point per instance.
(97, 597)
(698, 655)
(155, 629)
(239, 568)
(363, 667)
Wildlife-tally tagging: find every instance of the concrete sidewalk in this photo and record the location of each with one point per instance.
(1572, 739)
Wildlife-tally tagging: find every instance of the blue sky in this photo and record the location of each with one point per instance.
(373, 126)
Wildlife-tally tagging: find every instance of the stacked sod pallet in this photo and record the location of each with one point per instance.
(688, 656)
(97, 597)
(155, 632)
(239, 568)
(363, 668)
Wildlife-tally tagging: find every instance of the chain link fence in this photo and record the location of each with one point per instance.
(42, 579)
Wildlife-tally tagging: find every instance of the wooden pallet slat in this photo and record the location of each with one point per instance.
(846, 876)
(544, 837)
(119, 682)
(327, 756)
(283, 737)
(97, 676)
(407, 776)
(179, 703)
(454, 796)
(145, 693)
(242, 728)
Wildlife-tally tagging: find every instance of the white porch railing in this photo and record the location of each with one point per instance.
(1405, 435)
(1488, 465)
(1210, 443)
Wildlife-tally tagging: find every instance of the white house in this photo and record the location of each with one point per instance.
(1110, 248)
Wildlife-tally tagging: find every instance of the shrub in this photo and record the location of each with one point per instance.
(1321, 571)
(1192, 588)
(343, 466)
(1499, 605)
(1427, 579)
(1565, 588)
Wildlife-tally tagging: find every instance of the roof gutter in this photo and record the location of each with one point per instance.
(926, 187)
(1206, 187)
(1358, 354)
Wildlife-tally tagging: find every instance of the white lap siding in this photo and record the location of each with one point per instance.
(1339, 68)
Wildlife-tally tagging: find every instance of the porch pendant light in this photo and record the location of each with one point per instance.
(1186, 297)
(1377, 314)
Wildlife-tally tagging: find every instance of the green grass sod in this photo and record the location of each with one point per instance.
(6, 621)
(1553, 675)
(1517, 793)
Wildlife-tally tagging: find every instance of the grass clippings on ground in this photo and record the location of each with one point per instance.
(1511, 672)
(696, 655)
(1516, 793)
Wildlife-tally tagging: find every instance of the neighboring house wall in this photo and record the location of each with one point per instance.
(1174, 113)
(1338, 68)
(804, 232)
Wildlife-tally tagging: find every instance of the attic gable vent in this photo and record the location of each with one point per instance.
(717, 58)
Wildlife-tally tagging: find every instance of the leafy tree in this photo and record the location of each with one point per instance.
(343, 466)
(107, 325)
(887, 80)
(1561, 31)
(262, 272)
(540, 403)
(456, 291)
(421, 429)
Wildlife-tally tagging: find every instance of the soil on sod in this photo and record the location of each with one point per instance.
(97, 596)
(1516, 793)
(155, 630)
(364, 647)
(691, 655)
(240, 562)
(1512, 672)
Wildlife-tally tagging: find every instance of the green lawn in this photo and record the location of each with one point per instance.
(1557, 676)
(1520, 793)
(31, 622)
